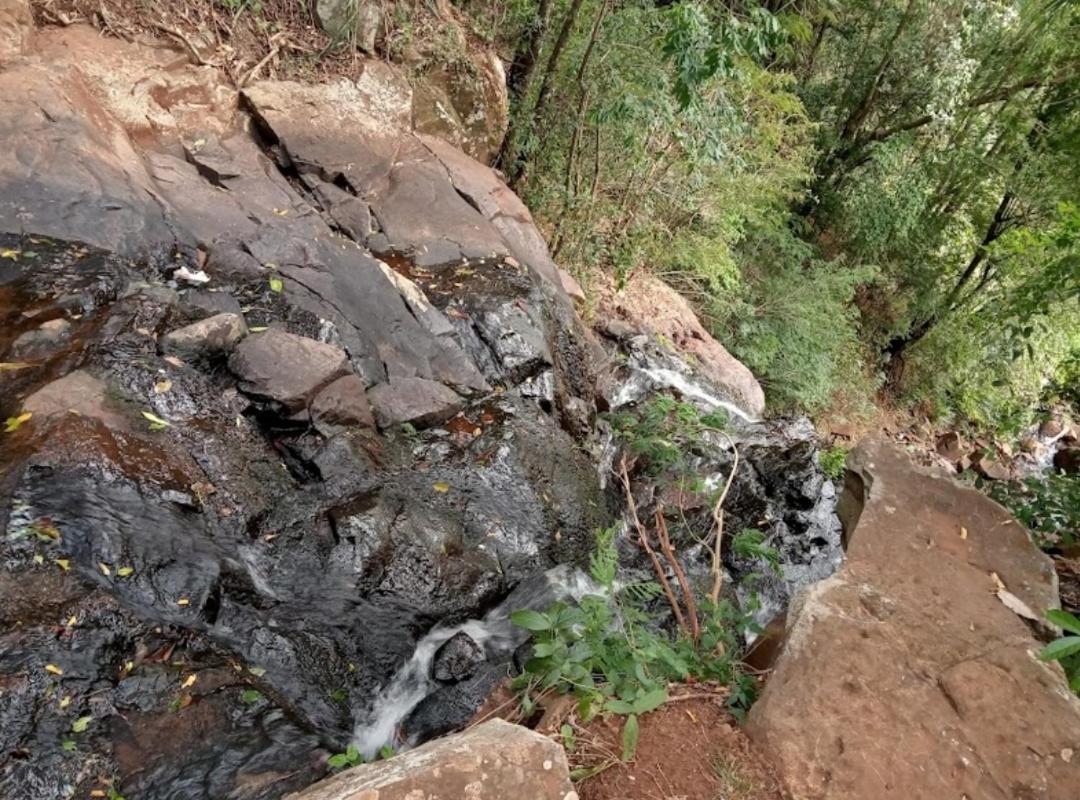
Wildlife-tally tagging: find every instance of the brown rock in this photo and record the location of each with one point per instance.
(342, 404)
(213, 336)
(905, 675)
(493, 761)
(414, 400)
(649, 305)
(78, 392)
(290, 369)
(951, 447)
(1051, 428)
(16, 28)
(1067, 459)
(571, 286)
(990, 467)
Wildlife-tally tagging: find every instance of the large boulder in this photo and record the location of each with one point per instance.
(648, 305)
(290, 369)
(492, 761)
(912, 672)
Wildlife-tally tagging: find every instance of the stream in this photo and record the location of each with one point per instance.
(212, 605)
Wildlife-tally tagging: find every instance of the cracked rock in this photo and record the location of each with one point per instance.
(414, 400)
(284, 367)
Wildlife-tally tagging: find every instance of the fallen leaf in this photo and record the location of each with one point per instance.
(97, 793)
(105, 570)
(963, 532)
(1016, 605)
(162, 386)
(68, 745)
(55, 670)
(183, 601)
(129, 665)
(80, 725)
(39, 559)
(12, 424)
(176, 362)
(258, 672)
(997, 582)
(11, 366)
(156, 422)
(66, 701)
(277, 285)
(442, 487)
(63, 563)
(257, 329)
(13, 255)
(189, 681)
(72, 621)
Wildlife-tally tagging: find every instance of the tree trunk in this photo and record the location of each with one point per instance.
(528, 54)
(516, 170)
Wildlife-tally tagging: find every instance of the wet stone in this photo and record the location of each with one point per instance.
(417, 401)
(342, 404)
(286, 368)
(213, 336)
(457, 659)
(44, 339)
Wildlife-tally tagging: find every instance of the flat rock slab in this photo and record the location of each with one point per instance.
(493, 761)
(281, 366)
(78, 392)
(413, 400)
(342, 404)
(906, 675)
(213, 336)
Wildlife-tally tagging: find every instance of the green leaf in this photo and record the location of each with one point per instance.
(530, 620)
(1059, 649)
(276, 285)
(12, 424)
(156, 422)
(352, 753)
(79, 725)
(338, 761)
(250, 696)
(619, 707)
(630, 734)
(543, 649)
(1063, 619)
(386, 751)
(650, 701)
(68, 744)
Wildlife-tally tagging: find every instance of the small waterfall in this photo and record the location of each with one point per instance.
(495, 633)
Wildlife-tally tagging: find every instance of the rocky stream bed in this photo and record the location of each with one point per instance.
(299, 411)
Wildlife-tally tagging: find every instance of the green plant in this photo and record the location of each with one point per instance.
(749, 543)
(609, 652)
(1048, 505)
(833, 461)
(664, 432)
(350, 758)
(1065, 649)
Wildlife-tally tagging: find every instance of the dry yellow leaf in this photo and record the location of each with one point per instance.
(189, 682)
(55, 670)
(72, 621)
(14, 423)
(66, 701)
(442, 487)
(11, 366)
(63, 563)
(104, 568)
(129, 665)
(963, 532)
(97, 793)
(183, 601)
(162, 386)
(997, 581)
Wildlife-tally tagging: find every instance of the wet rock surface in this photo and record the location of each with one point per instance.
(215, 569)
(489, 762)
(869, 663)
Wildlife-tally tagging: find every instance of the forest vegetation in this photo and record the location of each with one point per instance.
(866, 200)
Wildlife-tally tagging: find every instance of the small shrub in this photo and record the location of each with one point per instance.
(833, 461)
(1049, 506)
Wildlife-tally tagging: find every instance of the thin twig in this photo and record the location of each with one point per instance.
(718, 524)
(680, 576)
(251, 73)
(643, 537)
(187, 43)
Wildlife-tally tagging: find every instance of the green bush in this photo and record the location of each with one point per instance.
(833, 461)
(1065, 649)
(1048, 505)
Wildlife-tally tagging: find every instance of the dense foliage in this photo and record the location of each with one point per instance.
(857, 195)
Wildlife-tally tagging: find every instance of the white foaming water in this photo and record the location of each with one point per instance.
(676, 380)
(495, 633)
